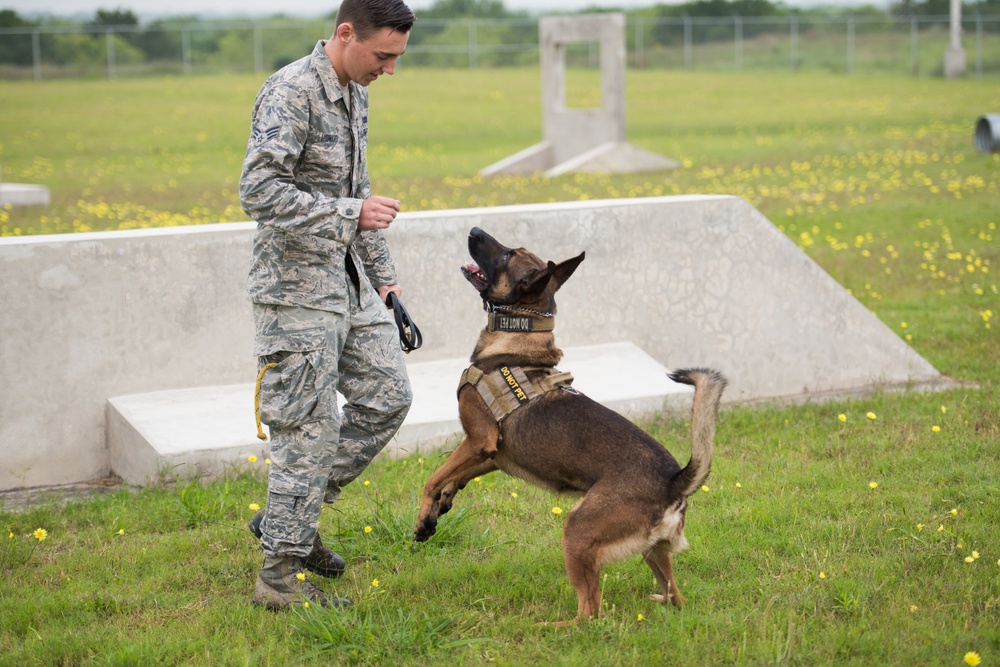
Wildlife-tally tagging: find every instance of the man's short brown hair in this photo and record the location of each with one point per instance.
(368, 16)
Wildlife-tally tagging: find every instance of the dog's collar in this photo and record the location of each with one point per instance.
(518, 320)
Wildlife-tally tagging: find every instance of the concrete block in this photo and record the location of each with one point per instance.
(691, 280)
(207, 431)
(581, 139)
(23, 194)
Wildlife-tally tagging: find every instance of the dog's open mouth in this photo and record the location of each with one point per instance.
(475, 275)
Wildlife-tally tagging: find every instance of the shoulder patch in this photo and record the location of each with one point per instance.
(259, 136)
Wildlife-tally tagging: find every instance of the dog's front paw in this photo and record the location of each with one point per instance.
(425, 528)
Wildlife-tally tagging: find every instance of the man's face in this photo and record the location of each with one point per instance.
(364, 61)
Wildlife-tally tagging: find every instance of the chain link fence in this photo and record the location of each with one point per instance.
(912, 46)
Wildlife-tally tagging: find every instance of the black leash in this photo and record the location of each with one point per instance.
(409, 334)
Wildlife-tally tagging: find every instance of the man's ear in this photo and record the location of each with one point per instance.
(344, 32)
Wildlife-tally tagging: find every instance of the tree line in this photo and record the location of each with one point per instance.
(161, 39)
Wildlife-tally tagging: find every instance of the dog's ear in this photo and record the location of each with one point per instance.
(556, 274)
(561, 272)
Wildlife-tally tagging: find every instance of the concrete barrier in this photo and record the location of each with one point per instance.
(693, 280)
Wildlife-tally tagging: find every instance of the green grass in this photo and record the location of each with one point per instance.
(795, 559)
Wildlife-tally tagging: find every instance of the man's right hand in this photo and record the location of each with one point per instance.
(377, 213)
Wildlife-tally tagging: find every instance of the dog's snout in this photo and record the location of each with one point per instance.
(477, 238)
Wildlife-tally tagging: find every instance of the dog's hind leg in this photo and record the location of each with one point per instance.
(660, 562)
(581, 543)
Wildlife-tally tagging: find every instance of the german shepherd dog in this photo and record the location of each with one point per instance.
(634, 493)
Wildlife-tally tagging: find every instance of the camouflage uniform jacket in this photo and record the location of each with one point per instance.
(304, 179)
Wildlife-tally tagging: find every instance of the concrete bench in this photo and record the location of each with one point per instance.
(180, 434)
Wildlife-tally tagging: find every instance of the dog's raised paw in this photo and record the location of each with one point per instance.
(424, 530)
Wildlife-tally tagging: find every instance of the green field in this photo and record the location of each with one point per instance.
(854, 532)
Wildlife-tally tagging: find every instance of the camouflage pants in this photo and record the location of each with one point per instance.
(316, 450)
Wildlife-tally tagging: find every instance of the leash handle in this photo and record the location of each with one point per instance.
(409, 335)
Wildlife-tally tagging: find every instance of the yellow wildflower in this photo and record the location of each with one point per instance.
(972, 659)
(557, 511)
(936, 428)
(513, 494)
(368, 483)
(738, 485)
(254, 506)
(368, 529)
(121, 531)
(40, 534)
(300, 576)
(252, 458)
(871, 415)
(941, 528)
(872, 485)
(822, 575)
(842, 417)
(954, 511)
(913, 608)
(267, 461)
(704, 488)
(975, 554)
(640, 619)
(374, 583)
(969, 559)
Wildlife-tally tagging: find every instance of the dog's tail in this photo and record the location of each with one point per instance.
(708, 387)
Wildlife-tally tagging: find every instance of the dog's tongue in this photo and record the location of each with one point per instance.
(471, 267)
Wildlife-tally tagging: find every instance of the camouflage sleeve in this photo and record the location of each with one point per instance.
(373, 249)
(268, 191)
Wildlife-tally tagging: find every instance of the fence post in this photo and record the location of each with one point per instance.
(794, 27)
(687, 43)
(914, 59)
(850, 45)
(36, 54)
(638, 42)
(738, 32)
(258, 49)
(110, 38)
(186, 50)
(979, 46)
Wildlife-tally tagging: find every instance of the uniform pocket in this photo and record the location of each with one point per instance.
(288, 393)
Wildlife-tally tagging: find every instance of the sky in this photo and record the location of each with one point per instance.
(307, 8)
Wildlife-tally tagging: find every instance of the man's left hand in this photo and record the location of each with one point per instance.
(383, 292)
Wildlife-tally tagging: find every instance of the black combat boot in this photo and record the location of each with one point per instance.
(321, 560)
(281, 583)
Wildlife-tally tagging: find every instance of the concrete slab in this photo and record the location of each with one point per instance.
(183, 433)
(24, 194)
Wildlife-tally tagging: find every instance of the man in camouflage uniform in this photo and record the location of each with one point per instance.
(320, 274)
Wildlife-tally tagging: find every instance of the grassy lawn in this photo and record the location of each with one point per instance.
(855, 532)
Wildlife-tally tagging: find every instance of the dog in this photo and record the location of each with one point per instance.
(522, 416)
